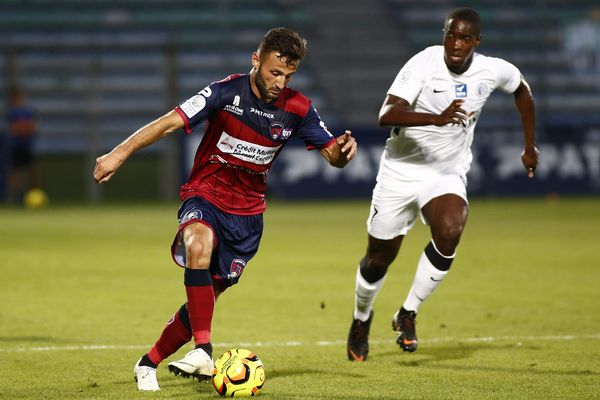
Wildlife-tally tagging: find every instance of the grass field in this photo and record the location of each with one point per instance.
(86, 290)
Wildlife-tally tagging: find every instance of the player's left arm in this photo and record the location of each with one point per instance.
(337, 151)
(526, 108)
(341, 151)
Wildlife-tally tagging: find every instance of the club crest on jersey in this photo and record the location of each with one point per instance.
(460, 90)
(236, 268)
(482, 90)
(276, 129)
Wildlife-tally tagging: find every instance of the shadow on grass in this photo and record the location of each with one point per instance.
(287, 373)
(330, 396)
(435, 354)
(434, 358)
(177, 387)
(172, 386)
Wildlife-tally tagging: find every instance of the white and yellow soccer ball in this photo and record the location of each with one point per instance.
(238, 373)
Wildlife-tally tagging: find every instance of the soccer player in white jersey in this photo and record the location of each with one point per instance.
(433, 106)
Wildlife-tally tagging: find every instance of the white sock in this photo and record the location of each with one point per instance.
(427, 279)
(364, 296)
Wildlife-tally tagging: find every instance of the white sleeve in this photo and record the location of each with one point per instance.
(410, 80)
(508, 77)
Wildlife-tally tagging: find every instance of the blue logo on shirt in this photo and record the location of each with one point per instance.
(460, 90)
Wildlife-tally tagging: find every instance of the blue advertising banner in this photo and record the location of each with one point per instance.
(569, 164)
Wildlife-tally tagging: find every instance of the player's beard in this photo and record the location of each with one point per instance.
(261, 85)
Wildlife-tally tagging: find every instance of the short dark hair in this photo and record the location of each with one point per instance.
(285, 42)
(465, 14)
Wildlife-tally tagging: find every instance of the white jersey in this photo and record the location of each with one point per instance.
(426, 83)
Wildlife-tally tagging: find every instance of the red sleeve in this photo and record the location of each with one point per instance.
(326, 145)
(185, 119)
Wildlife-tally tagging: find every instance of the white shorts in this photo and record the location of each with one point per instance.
(396, 204)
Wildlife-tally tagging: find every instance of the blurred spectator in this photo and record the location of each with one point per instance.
(22, 128)
(582, 43)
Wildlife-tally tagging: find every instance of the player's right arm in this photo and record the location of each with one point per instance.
(108, 164)
(396, 111)
(408, 86)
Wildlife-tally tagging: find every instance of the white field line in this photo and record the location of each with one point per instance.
(517, 339)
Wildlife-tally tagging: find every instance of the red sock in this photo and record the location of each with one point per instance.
(175, 335)
(201, 303)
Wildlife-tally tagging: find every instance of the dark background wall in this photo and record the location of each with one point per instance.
(95, 71)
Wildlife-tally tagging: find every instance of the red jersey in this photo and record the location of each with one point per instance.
(243, 137)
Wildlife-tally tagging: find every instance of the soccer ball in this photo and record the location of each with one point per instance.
(36, 198)
(238, 373)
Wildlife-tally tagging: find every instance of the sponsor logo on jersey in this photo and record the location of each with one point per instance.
(235, 107)
(262, 113)
(460, 90)
(246, 151)
(236, 268)
(196, 103)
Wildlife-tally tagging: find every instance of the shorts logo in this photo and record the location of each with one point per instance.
(460, 90)
(276, 129)
(195, 214)
(236, 268)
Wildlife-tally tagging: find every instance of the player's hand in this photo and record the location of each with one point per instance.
(106, 166)
(348, 145)
(454, 115)
(530, 157)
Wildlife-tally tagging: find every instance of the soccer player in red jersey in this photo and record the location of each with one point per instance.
(250, 118)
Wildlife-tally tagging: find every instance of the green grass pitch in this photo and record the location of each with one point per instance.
(86, 290)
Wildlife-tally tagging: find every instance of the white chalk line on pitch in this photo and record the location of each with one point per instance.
(485, 339)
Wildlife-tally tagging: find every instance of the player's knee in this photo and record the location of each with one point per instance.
(447, 237)
(197, 255)
(377, 263)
